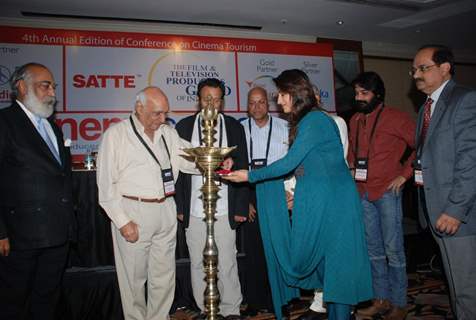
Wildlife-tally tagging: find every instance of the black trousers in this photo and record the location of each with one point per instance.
(30, 283)
(256, 289)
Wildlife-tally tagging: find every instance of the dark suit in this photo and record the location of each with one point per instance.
(237, 193)
(36, 216)
(448, 160)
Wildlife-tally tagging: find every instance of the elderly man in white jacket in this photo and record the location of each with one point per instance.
(138, 162)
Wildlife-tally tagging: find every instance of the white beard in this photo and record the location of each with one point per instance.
(42, 109)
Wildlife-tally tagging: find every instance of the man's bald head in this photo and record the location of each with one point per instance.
(155, 94)
(151, 108)
(258, 105)
(258, 90)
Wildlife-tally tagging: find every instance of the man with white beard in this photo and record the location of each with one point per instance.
(35, 198)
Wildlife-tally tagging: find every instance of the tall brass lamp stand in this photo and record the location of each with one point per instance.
(208, 159)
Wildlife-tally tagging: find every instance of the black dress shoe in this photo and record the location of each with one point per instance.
(201, 316)
(312, 315)
(294, 306)
(249, 312)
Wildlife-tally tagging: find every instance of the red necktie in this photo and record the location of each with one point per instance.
(426, 118)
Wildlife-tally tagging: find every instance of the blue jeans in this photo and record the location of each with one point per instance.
(384, 234)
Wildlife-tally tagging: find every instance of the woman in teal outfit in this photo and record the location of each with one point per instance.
(324, 244)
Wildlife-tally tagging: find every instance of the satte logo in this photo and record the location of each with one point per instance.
(104, 81)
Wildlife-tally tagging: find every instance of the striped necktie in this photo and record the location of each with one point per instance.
(426, 118)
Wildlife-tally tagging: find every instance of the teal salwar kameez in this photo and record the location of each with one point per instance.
(324, 245)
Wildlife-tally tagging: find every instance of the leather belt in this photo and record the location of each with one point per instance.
(156, 200)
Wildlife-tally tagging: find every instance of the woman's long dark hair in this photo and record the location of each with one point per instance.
(296, 83)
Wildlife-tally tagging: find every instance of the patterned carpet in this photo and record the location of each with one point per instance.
(427, 300)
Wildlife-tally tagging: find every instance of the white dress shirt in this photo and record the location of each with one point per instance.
(436, 95)
(344, 138)
(278, 146)
(125, 167)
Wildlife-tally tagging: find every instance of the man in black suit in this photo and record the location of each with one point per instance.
(232, 207)
(35, 198)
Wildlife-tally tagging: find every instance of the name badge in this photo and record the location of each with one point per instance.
(361, 169)
(168, 180)
(417, 172)
(258, 163)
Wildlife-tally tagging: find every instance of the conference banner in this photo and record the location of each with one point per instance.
(99, 72)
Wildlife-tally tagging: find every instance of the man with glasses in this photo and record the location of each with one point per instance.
(378, 138)
(232, 206)
(445, 170)
(36, 208)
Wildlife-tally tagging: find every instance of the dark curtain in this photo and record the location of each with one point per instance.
(92, 242)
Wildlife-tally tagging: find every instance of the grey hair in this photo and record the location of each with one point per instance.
(22, 73)
(141, 97)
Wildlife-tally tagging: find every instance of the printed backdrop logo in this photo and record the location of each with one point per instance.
(179, 73)
(265, 82)
(5, 75)
(104, 81)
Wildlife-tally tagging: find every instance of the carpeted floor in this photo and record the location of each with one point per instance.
(427, 300)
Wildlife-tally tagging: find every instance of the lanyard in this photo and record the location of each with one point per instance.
(419, 146)
(269, 138)
(200, 131)
(356, 148)
(147, 147)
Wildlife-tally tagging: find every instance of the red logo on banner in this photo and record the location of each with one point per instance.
(88, 129)
(104, 81)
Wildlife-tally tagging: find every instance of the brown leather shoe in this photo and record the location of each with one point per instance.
(378, 307)
(396, 313)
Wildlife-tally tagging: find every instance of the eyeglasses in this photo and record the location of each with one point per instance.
(421, 68)
(46, 85)
(214, 101)
(257, 103)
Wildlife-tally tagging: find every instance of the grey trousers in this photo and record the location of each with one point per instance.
(459, 261)
(151, 259)
(228, 280)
